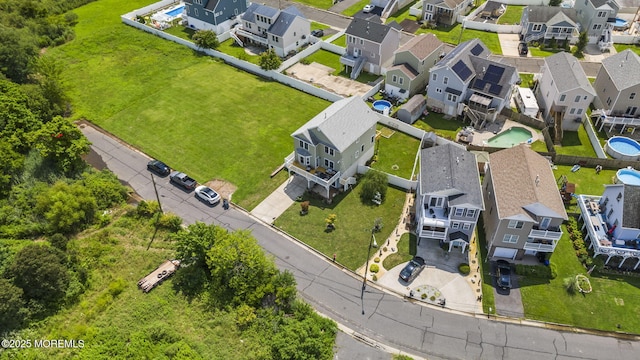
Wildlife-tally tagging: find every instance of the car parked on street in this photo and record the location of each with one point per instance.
(368, 8)
(207, 195)
(504, 274)
(412, 269)
(158, 167)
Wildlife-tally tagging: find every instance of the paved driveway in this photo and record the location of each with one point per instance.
(509, 44)
(508, 302)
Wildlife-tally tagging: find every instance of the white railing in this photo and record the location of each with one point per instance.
(432, 234)
(545, 234)
(252, 36)
(540, 247)
(289, 164)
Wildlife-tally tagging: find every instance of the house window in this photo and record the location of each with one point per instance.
(430, 7)
(563, 97)
(434, 77)
(508, 238)
(577, 98)
(619, 197)
(451, 97)
(597, 26)
(632, 96)
(602, 14)
(536, 27)
(609, 101)
(328, 150)
(459, 212)
(362, 148)
(436, 202)
(609, 213)
(585, 97)
(445, 80)
(361, 42)
(471, 213)
(303, 145)
(328, 164)
(401, 80)
(305, 160)
(466, 226)
(572, 111)
(455, 225)
(195, 11)
(631, 110)
(372, 138)
(579, 111)
(394, 78)
(438, 90)
(515, 224)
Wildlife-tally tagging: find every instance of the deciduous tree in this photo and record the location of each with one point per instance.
(12, 306)
(62, 142)
(67, 208)
(371, 183)
(205, 39)
(269, 60)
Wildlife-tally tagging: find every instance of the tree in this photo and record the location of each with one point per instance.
(553, 44)
(10, 164)
(17, 122)
(62, 142)
(40, 271)
(582, 43)
(555, 2)
(48, 76)
(12, 306)
(105, 188)
(205, 39)
(67, 208)
(17, 50)
(372, 183)
(269, 60)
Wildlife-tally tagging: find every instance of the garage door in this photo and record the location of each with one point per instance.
(505, 253)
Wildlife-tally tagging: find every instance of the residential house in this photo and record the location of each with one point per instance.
(284, 31)
(409, 74)
(449, 195)
(370, 46)
(543, 23)
(444, 11)
(597, 18)
(467, 76)
(618, 85)
(216, 15)
(564, 92)
(524, 210)
(329, 147)
(612, 222)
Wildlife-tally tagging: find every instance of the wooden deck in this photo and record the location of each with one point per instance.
(157, 276)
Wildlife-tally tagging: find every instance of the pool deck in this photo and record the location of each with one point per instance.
(481, 137)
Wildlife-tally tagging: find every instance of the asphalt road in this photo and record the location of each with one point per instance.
(389, 322)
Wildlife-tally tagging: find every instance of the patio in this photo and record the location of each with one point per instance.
(481, 137)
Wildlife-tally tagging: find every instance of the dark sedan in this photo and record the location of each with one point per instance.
(412, 269)
(504, 274)
(158, 167)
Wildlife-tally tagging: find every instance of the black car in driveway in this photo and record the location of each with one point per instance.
(412, 269)
(317, 33)
(158, 167)
(504, 274)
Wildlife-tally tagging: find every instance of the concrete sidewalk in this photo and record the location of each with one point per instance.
(280, 200)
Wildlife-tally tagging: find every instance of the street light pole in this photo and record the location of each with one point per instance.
(364, 279)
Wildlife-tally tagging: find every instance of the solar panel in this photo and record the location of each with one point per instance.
(462, 70)
(495, 89)
(477, 50)
(479, 84)
(494, 74)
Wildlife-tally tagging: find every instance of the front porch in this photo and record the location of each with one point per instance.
(327, 179)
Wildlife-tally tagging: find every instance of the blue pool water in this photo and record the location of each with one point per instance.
(381, 105)
(621, 22)
(625, 146)
(629, 176)
(175, 12)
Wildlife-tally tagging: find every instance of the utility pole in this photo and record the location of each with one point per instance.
(153, 180)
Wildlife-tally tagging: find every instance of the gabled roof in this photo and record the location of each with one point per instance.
(406, 69)
(523, 183)
(422, 46)
(451, 171)
(249, 14)
(611, 3)
(342, 123)
(623, 68)
(266, 11)
(451, 4)
(284, 21)
(544, 14)
(492, 78)
(458, 59)
(369, 30)
(567, 73)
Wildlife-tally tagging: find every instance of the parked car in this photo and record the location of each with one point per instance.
(158, 167)
(317, 33)
(412, 269)
(183, 180)
(207, 195)
(368, 8)
(504, 274)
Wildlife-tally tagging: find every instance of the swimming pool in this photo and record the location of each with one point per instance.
(168, 15)
(624, 148)
(510, 137)
(620, 24)
(382, 106)
(175, 12)
(628, 177)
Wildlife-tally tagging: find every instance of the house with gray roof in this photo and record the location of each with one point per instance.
(543, 23)
(329, 147)
(467, 80)
(564, 92)
(597, 18)
(216, 15)
(283, 31)
(449, 195)
(409, 74)
(524, 210)
(618, 85)
(444, 11)
(370, 46)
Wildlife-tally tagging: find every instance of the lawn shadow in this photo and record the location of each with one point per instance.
(571, 138)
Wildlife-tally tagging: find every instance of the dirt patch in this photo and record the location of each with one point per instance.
(224, 188)
(321, 76)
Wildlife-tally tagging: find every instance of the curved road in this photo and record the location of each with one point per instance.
(389, 322)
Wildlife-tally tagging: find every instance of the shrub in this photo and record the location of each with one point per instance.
(432, 298)
(570, 283)
(171, 222)
(374, 268)
(304, 208)
(376, 260)
(464, 268)
(147, 208)
(374, 277)
(59, 241)
(423, 296)
(117, 287)
(305, 61)
(539, 271)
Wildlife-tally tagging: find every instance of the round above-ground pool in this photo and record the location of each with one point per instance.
(382, 106)
(628, 177)
(620, 24)
(623, 148)
(510, 137)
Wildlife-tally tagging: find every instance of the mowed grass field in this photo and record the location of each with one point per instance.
(194, 112)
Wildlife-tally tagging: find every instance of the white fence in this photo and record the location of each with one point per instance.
(625, 39)
(393, 179)
(150, 8)
(468, 23)
(593, 138)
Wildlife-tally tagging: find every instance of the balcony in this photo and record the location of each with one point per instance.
(349, 60)
(548, 234)
(318, 175)
(540, 246)
(249, 35)
(432, 234)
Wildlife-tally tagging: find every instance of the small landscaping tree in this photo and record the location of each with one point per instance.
(582, 43)
(269, 60)
(304, 208)
(565, 45)
(205, 39)
(330, 220)
(372, 183)
(553, 44)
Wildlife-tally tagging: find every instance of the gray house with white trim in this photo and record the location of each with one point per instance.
(444, 11)
(449, 195)
(596, 17)
(543, 23)
(329, 147)
(216, 15)
(618, 85)
(524, 210)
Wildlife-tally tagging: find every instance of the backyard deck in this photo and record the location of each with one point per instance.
(157, 276)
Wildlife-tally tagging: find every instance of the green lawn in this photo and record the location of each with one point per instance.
(320, 4)
(439, 125)
(350, 240)
(194, 112)
(181, 32)
(396, 154)
(537, 52)
(586, 180)
(451, 35)
(317, 25)
(512, 15)
(402, 14)
(353, 9)
(407, 248)
(576, 143)
(527, 80)
(341, 41)
(623, 47)
(326, 58)
(230, 47)
(614, 300)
